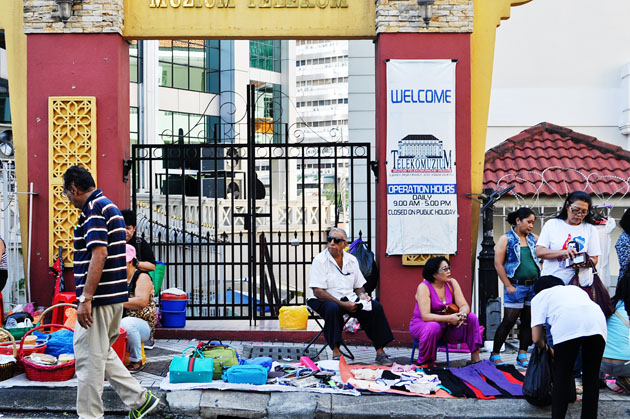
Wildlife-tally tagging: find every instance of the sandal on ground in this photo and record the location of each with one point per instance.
(496, 359)
(521, 360)
(135, 367)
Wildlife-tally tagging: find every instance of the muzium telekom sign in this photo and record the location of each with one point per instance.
(251, 19)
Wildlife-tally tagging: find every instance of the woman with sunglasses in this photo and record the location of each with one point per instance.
(570, 233)
(433, 321)
(517, 266)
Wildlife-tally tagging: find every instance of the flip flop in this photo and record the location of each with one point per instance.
(521, 360)
(496, 360)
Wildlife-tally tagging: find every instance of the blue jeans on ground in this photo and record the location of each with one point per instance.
(138, 331)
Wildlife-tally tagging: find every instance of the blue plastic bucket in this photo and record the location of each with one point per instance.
(173, 318)
(173, 305)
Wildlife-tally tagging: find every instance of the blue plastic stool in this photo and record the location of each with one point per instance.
(439, 343)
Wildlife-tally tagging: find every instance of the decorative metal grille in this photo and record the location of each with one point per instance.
(72, 141)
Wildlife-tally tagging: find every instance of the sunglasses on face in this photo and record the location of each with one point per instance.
(578, 211)
(337, 240)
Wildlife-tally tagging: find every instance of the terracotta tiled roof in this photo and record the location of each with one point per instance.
(554, 160)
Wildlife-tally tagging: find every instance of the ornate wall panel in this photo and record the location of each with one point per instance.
(418, 260)
(72, 141)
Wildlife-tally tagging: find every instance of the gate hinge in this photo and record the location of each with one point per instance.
(374, 167)
(126, 169)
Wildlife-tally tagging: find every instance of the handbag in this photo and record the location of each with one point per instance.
(191, 369)
(596, 291)
(537, 382)
(451, 308)
(223, 356)
(246, 374)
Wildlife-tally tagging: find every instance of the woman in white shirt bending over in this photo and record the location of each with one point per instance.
(577, 323)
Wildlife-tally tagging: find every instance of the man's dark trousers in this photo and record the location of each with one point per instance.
(372, 322)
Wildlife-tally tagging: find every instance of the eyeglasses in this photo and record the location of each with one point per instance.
(579, 211)
(447, 269)
(337, 240)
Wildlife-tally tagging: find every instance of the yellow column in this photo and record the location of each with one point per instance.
(11, 22)
(488, 16)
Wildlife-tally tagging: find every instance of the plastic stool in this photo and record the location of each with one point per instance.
(438, 344)
(59, 313)
(144, 357)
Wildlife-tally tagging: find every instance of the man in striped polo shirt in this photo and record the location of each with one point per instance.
(100, 275)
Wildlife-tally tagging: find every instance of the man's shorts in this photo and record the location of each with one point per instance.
(521, 297)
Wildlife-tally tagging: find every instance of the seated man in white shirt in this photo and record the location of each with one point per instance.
(337, 285)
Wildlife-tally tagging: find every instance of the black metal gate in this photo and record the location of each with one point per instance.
(237, 223)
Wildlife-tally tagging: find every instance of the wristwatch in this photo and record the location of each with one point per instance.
(83, 298)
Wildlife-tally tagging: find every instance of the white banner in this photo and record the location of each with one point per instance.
(421, 183)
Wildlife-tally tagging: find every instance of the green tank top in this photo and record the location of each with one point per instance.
(527, 268)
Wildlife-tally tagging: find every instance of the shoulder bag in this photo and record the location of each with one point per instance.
(224, 356)
(597, 291)
(191, 369)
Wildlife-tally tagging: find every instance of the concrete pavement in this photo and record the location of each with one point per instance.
(36, 402)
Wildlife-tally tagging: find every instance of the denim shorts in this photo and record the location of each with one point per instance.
(522, 297)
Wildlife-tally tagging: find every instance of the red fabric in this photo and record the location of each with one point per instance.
(478, 392)
(511, 378)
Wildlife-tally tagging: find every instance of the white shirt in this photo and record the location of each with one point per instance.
(555, 235)
(569, 311)
(339, 282)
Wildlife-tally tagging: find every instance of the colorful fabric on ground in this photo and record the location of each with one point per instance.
(473, 374)
(346, 374)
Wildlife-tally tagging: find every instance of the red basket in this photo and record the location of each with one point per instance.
(36, 372)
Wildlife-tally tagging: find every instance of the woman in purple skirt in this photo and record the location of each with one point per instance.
(431, 320)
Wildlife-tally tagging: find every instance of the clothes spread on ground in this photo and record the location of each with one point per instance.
(452, 384)
(510, 371)
(479, 374)
(415, 381)
(367, 374)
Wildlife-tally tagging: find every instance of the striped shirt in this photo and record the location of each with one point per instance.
(101, 224)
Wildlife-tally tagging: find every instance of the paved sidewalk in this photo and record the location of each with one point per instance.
(60, 402)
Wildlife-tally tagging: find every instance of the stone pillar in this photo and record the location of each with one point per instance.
(402, 35)
(78, 113)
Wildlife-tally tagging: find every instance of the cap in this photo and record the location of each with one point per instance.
(131, 253)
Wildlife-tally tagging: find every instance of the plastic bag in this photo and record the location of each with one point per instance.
(367, 264)
(157, 276)
(293, 317)
(537, 383)
(59, 342)
(264, 361)
(71, 317)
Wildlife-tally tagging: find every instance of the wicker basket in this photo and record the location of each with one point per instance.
(36, 372)
(7, 370)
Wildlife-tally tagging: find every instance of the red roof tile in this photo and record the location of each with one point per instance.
(556, 160)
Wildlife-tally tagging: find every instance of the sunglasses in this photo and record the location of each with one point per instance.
(578, 211)
(337, 240)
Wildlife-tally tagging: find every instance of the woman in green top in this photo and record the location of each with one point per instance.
(517, 266)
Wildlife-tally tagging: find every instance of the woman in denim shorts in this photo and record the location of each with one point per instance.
(517, 266)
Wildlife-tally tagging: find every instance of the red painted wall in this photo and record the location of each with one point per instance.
(398, 283)
(75, 65)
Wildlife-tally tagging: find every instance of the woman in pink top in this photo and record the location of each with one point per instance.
(431, 323)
